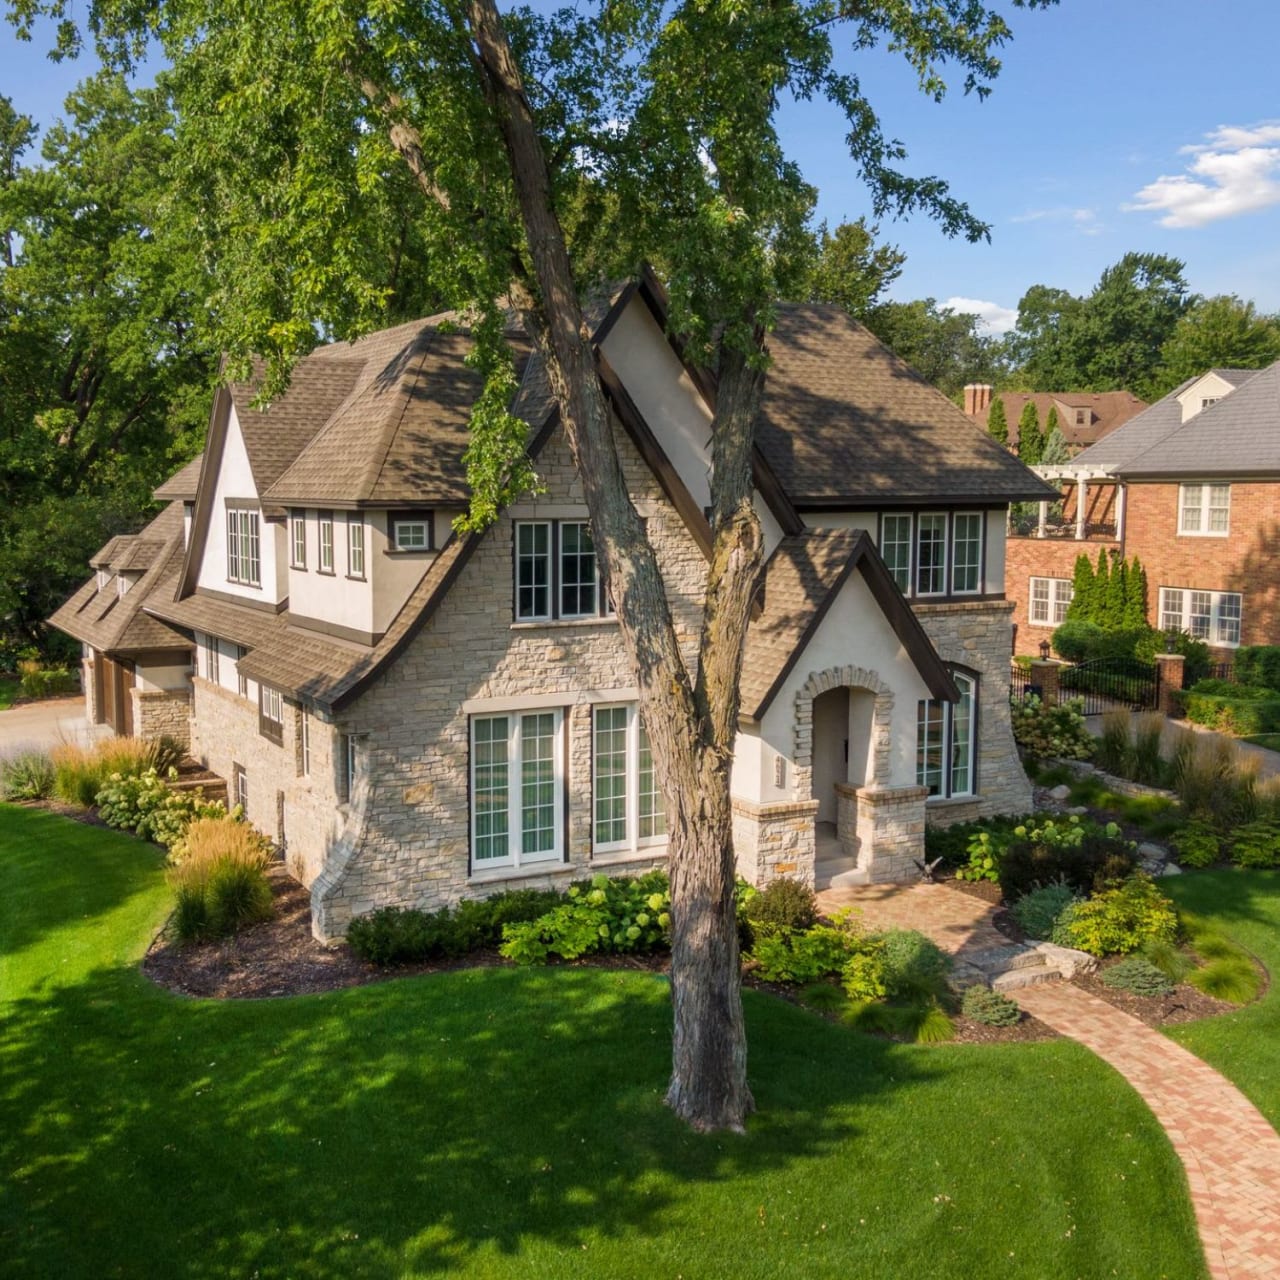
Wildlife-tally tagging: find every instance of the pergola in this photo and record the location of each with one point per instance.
(1080, 475)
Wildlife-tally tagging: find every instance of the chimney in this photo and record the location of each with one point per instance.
(977, 398)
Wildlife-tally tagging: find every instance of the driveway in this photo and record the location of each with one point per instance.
(45, 724)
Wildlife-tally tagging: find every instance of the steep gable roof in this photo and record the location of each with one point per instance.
(844, 421)
(183, 484)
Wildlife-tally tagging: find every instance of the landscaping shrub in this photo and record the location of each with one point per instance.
(1119, 920)
(1232, 978)
(36, 681)
(1197, 844)
(1038, 911)
(237, 894)
(1195, 653)
(925, 1024)
(79, 772)
(403, 935)
(825, 997)
(1138, 976)
(863, 976)
(221, 886)
(992, 1008)
(951, 844)
(783, 904)
(1111, 752)
(914, 966)
(1079, 854)
(1256, 845)
(1143, 762)
(1258, 664)
(1051, 732)
(783, 955)
(1080, 641)
(1214, 781)
(142, 803)
(1238, 709)
(1166, 957)
(27, 775)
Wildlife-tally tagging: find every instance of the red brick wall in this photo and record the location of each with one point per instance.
(1099, 503)
(1247, 560)
(1025, 558)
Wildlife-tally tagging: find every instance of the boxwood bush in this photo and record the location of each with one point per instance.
(1258, 664)
(1243, 709)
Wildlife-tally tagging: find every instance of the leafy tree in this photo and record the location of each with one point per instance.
(1030, 441)
(1135, 596)
(1217, 333)
(1083, 591)
(1041, 345)
(942, 345)
(294, 114)
(1117, 593)
(1055, 446)
(1101, 588)
(998, 422)
(850, 269)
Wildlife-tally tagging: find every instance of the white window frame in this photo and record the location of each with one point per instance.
(212, 669)
(242, 681)
(516, 729)
(324, 556)
(1203, 499)
(297, 539)
(304, 742)
(559, 571)
(632, 840)
(351, 762)
(412, 531)
(240, 776)
(1181, 606)
(244, 546)
(554, 557)
(932, 518)
(1058, 593)
(355, 545)
(932, 711)
(979, 517)
(271, 705)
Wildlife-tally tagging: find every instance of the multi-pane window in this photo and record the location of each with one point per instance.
(966, 553)
(211, 655)
(1208, 615)
(946, 741)
(304, 742)
(242, 680)
(895, 547)
(244, 551)
(1049, 600)
(326, 542)
(355, 546)
(270, 714)
(517, 788)
(557, 575)
(240, 782)
(628, 810)
(298, 539)
(934, 553)
(411, 530)
(351, 761)
(1204, 509)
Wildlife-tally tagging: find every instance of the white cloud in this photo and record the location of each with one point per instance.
(1235, 170)
(1085, 221)
(993, 319)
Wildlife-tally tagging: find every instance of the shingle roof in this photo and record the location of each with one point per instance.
(182, 485)
(1237, 435)
(1105, 412)
(114, 623)
(844, 420)
(1237, 377)
(241, 623)
(802, 578)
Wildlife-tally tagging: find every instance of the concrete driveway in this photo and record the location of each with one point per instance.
(45, 724)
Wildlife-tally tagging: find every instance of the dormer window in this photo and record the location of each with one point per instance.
(244, 547)
(1206, 401)
(1080, 417)
(103, 578)
(411, 530)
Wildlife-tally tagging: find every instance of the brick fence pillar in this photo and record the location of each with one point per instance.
(1045, 674)
(1170, 667)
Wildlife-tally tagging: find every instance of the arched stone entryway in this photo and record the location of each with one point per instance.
(847, 677)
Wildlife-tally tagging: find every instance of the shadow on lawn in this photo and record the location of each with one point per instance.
(418, 1125)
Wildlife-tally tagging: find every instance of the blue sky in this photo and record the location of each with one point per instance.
(1150, 125)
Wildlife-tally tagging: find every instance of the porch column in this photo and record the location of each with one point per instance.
(1082, 493)
(1044, 518)
(1121, 491)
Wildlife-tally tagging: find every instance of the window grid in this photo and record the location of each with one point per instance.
(242, 681)
(653, 809)
(537, 783)
(244, 550)
(895, 548)
(1050, 598)
(945, 742)
(352, 763)
(1204, 509)
(1208, 615)
(577, 571)
(490, 787)
(966, 569)
(628, 808)
(326, 542)
(298, 539)
(355, 546)
(611, 775)
(304, 729)
(411, 532)
(931, 555)
(211, 655)
(533, 571)
(516, 788)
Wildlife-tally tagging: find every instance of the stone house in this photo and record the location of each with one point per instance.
(417, 714)
(1191, 487)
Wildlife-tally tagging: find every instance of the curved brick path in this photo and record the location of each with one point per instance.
(1230, 1152)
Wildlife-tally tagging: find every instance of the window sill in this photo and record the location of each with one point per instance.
(1201, 533)
(356, 577)
(611, 621)
(946, 802)
(499, 874)
(404, 553)
(621, 857)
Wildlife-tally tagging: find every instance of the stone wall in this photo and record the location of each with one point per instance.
(771, 841)
(411, 846)
(891, 824)
(976, 635)
(162, 712)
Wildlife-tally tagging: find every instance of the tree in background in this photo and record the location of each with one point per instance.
(1135, 596)
(1101, 585)
(850, 269)
(1055, 449)
(1117, 593)
(944, 346)
(998, 422)
(1217, 333)
(1030, 441)
(1083, 592)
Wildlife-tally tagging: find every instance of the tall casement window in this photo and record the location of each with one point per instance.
(326, 541)
(298, 539)
(1204, 509)
(242, 680)
(411, 530)
(934, 553)
(350, 765)
(517, 788)
(946, 743)
(244, 548)
(1049, 600)
(628, 811)
(556, 573)
(240, 785)
(271, 714)
(304, 742)
(355, 545)
(211, 655)
(1208, 615)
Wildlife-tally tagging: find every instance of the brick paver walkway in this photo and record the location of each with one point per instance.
(1230, 1152)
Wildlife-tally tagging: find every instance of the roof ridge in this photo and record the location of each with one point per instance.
(426, 336)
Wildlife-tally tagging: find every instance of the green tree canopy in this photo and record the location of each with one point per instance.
(944, 346)
(1217, 333)
(998, 422)
(1030, 441)
(851, 269)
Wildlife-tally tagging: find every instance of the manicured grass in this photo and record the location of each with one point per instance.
(8, 692)
(1269, 740)
(1244, 1046)
(501, 1122)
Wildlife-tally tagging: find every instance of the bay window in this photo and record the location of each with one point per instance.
(517, 788)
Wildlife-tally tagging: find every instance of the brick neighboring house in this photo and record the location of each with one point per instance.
(1084, 417)
(1191, 486)
(418, 715)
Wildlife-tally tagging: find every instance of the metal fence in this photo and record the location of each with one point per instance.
(1107, 683)
(1020, 685)
(1222, 671)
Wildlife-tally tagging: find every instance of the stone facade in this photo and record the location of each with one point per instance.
(891, 824)
(161, 713)
(772, 841)
(975, 636)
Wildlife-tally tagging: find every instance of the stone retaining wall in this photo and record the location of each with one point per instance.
(162, 713)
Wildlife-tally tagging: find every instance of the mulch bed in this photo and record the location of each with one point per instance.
(1184, 1004)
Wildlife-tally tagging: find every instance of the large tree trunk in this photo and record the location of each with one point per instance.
(690, 730)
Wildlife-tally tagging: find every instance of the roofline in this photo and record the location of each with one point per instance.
(897, 612)
(1047, 494)
(1197, 472)
(219, 423)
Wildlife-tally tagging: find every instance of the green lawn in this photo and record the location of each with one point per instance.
(505, 1123)
(1244, 1046)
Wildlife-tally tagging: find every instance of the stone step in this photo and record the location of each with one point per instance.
(841, 879)
(1028, 976)
(1001, 959)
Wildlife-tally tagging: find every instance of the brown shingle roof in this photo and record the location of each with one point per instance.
(182, 485)
(241, 623)
(1104, 412)
(843, 420)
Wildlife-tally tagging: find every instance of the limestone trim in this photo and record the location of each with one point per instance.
(846, 677)
(780, 809)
